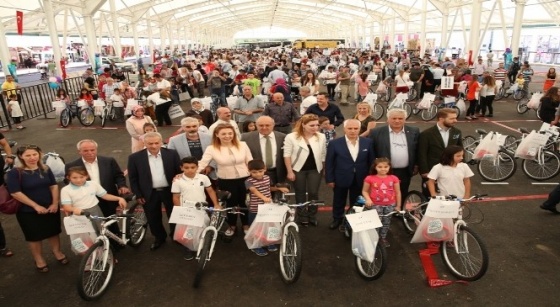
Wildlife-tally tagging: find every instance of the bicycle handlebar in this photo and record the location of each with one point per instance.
(110, 217)
(453, 197)
(307, 203)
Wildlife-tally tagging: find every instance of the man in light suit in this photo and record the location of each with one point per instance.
(348, 161)
(256, 141)
(151, 172)
(191, 143)
(397, 142)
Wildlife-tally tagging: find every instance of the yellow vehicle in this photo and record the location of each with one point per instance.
(317, 43)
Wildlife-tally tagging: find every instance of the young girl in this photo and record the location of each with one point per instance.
(249, 126)
(148, 127)
(452, 175)
(382, 190)
(85, 95)
(81, 195)
(473, 89)
(15, 111)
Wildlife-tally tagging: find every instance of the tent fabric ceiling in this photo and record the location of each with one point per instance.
(226, 17)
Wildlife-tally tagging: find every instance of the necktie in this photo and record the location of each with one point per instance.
(268, 152)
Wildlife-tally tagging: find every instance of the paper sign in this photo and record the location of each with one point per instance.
(58, 104)
(447, 83)
(443, 208)
(98, 103)
(77, 224)
(187, 216)
(365, 220)
(270, 213)
(79, 246)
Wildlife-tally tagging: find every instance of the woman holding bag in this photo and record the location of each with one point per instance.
(162, 101)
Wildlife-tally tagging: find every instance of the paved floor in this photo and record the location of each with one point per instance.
(521, 239)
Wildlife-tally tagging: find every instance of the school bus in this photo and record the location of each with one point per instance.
(316, 43)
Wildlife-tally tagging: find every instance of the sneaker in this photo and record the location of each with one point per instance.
(272, 248)
(385, 243)
(189, 255)
(489, 115)
(468, 118)
(260, 251)
(474, 117)
(230, 232)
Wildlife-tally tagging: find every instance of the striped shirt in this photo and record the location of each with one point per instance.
(263, 186)
(500, 74)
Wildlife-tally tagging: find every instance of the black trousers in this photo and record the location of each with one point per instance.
(341, 195)
(2, 238)
(152, 208)
(404, 176)
(162, 113)
(330, 90)
(238, 196)
(551, 202)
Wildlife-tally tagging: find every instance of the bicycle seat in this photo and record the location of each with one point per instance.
(481, 131)
(523, 130)
(223, 195)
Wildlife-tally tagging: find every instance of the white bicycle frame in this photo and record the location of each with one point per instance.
(210, 228)
(291, 222)
(106, 234)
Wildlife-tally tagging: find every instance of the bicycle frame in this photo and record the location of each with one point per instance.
(216, 222)
(105, 234)
(290, 218)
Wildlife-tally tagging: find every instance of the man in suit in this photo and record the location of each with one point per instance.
(103, 170)
(434, 140)
(399, 143)
(347, 164)
(151, 172)
(257, 143)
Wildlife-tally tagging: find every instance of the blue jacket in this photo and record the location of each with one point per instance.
(341, 169)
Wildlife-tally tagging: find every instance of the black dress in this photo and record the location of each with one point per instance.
(548, 109)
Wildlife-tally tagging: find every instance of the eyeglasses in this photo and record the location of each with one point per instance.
(23, 148)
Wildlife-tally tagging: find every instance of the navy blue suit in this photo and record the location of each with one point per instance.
(346, 174)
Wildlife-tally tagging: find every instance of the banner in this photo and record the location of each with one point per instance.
(19, 17)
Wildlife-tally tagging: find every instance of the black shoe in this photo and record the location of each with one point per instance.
(334, 224)
(189, 255)
(551, 209)
(156, 245)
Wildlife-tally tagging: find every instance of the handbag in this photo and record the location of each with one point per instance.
(8, 204)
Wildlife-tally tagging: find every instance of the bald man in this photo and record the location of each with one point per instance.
(224, 117)
(283, 113)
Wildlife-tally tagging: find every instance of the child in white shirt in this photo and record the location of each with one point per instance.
(118, 104)
(15, 111)
(452, 175)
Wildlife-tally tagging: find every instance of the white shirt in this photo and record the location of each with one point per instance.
(353, 148)
(163, 84)
(262, 140)
(191, 189)
(450, 179)
(437, 72)
(308, 101)
(157, 171)
(81, 197)
(399, 148)
(277, 74)
(93, 170)
(444, 134)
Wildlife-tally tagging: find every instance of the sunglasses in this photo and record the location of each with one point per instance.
(23, 148)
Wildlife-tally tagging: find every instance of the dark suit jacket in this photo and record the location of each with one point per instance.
(431, 146)
(139, 171)
(339, 166)
(253, 142)
(382, 144)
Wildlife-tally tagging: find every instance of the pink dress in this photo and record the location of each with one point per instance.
(135, 127)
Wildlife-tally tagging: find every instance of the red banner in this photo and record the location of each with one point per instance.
(63, 68)
(19, 19)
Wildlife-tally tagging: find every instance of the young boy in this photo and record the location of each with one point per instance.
(259, 193)
(15, 111)
(253, 82)
(118, 104)
(327, 129)
(190, 187)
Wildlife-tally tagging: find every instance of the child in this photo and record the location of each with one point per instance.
(382, 190)
(190, 187)
(118, 103)
(452, 175)
(15, 111)
(520, 81)
(472, 92)
(327, 129)
(249, 126)
(85, 95)
(260, 189)
(80, 195)
(148, 127)
(229, 84)
(253, 82)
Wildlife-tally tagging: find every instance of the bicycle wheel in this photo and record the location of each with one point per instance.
(519, 94)
(378, 111)
(412, 94)
(414, 211)
(538, 111)
(500, 93)
(94, 274)
(136, 225)
(408, 108)
(415, 110)
(65, 118)
(388, 95)
(522, 107)
(457, 110)
(543, 167)
(203, 258)
(290, 256)
(373, 270)
(112, 114)
(86, 117)
(104, 117)
(497, 168)
(469, 143)
(471, 262)
(430, 113)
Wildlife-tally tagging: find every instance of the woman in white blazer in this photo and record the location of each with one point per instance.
(305, 150)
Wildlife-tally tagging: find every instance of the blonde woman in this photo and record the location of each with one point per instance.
(305, 150)
(364, 115)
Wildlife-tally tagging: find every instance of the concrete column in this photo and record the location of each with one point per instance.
(49, 15)
(423, 28)
(4, 50)
(136, 41)
(392, 34)
(150, 36)
(91, 40)
(517, 22)
(444, 27)
(115, 33)
(474, 37)
(405, 36)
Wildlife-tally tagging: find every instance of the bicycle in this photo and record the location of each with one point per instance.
(84, 114)
(108, 113)
(96, 267)
(465, 255)
(494, 168)
(431, 112)
(522, 106)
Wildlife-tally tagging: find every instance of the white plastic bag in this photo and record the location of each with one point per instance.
(189, 236)
(80, 243)
(57, 167)
(426, 101)
(530, 144)
(461, 105)
(512, 88)
(399, 101)
(364, 244)
(381, 89)
(488, 147)
(437, 223)
(535, 101)
(263, 234)
(462, 87)
(176, 111)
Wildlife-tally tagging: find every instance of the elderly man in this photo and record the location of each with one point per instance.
(346, 166)
(326, 109)
(399, 143)
(283, 113)
(109, 88)
(434, 140)
(266, 144)
(151, 172)
(306, 99)
(224, 117)
(248, 107)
